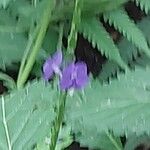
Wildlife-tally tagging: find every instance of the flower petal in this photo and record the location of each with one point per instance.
(82, 77)
(57, 58)
(47, 69)
(66, 81)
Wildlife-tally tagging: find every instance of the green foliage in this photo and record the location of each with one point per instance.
(133, 141)
(27, 11)
(10, 50)
(90, 8)
(98, 115)
(76, 19)
(128, 52)
(144, 4)
(98, 141)
(50, 41)
(43, 26)
(121, 106)
(97, 6)
(26, 116)
(121, 21)
(4, 3)
(97, 35)
(10, 35)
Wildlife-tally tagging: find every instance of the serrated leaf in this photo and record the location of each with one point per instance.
(128, 52)
(97, 35)
(26, 116)
(121, 106)
(102, 141)
(4, 3)
(122, 22)
(144, 5)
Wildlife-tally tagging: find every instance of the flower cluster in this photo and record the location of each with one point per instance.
(73, 76)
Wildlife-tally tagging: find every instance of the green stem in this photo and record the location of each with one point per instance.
(27, 51)
(58, 121)
(5, 124)
(59, 44)
(38, 43)
(71, 45)
(72, 38)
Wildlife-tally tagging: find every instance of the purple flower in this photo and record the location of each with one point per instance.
(74, 76)
(52, 65)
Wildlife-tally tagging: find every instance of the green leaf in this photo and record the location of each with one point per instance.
(27, 11)
(97, 6)
(144, 5)
(121, 106)
(128, 52)
(50, 41)
(122, 22)
(26, 116)
(48, 48)
(12, 38)
(144, 25)
(98, 141)
(64, 140)
(12, 48)
(94, 31)
(90, 8)
(4, 3)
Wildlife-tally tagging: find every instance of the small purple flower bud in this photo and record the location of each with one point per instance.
(74, 76)
(52, 65)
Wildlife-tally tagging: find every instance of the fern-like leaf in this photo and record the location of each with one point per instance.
(121, 106)
(94, 31)
(128, 51)
(26, 116)
(121, 21)
(144, 5)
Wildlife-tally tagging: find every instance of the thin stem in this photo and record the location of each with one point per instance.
(58, 121)
(26, 53)
(72, 38)
(61, 107)
(61, 27)
(5, 124)
(42, 31)
(114, 141)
